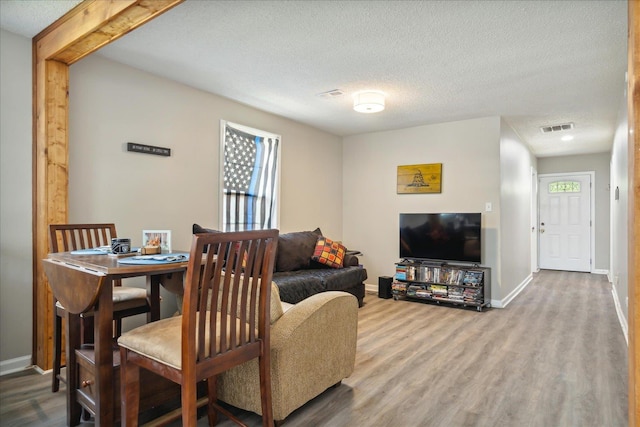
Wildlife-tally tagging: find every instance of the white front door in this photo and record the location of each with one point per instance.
(565, 222)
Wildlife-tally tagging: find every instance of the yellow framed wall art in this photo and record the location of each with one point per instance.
(419, 179)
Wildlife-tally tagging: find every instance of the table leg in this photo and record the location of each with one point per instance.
(153, 292)
(103, 335)
(72, 331)
(174, 283)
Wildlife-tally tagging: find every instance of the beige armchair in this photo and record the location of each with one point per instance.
(313, 347)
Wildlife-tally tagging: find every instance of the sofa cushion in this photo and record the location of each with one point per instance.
(295, 250)
(339, 280)
(294, 286)
(328, 252)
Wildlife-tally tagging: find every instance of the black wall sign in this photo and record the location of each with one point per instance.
(148, 149)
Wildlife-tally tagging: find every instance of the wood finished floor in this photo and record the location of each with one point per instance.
(556, 356)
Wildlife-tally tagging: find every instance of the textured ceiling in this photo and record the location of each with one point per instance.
(535, 63)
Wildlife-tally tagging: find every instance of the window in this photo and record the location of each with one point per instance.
(564, 187)
(250, 178)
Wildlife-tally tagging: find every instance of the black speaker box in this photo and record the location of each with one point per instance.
(384, 287)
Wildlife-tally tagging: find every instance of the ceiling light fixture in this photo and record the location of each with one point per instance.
(567, 138)
(368, 101)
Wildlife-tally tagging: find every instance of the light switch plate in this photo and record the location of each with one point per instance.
(488, 207)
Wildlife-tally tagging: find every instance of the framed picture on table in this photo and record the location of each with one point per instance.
(160, 238)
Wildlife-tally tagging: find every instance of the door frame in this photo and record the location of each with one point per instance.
(535, 236)
(592, 207)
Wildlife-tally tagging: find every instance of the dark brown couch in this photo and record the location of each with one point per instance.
(298, 276)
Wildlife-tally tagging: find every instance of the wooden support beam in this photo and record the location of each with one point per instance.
(83, 30)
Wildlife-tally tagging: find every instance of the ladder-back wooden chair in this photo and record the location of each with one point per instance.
(127, 301)
(225, 322)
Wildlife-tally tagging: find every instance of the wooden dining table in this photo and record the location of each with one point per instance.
(79, 298)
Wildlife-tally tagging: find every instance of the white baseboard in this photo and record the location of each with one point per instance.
(368, 287)
(623, 322)
(506, 300)
(600, 271)
(15, 365)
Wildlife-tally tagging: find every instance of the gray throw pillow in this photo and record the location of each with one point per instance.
(295, 250)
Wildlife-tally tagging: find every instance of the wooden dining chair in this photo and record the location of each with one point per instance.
(127, 301)
(225, 322)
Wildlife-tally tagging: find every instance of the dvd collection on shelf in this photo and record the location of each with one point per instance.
(440, 275)
(454, 284)
(452, 292)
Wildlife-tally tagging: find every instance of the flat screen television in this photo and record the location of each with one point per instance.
(441, 236)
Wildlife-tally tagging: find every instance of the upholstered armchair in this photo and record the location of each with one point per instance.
(313, 347)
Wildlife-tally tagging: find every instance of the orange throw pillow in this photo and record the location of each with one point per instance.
(329, 253)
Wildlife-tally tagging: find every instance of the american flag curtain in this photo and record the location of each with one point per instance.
(250, 174)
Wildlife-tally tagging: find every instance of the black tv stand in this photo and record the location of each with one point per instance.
(455, 284)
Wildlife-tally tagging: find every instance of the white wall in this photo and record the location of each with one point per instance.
(16, 285)
(112, 104)
(469, 152)
(349, 189)
(600, 163)
(619, 273)
(516, 161)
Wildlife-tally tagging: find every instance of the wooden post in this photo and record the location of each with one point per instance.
(83, 30)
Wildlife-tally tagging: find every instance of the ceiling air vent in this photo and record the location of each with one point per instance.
(331, 93)
(556, 128)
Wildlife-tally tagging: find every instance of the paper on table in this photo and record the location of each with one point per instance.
(155, 259)
(92, 251)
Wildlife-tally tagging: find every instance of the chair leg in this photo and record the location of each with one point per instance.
(189, 402)
(57, 350)
(129, 390)
(264, 364)
(117, 328)
(212, 394)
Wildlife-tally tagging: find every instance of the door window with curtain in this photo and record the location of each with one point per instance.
(250, 178)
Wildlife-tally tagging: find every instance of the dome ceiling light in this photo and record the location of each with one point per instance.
(368, 101)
